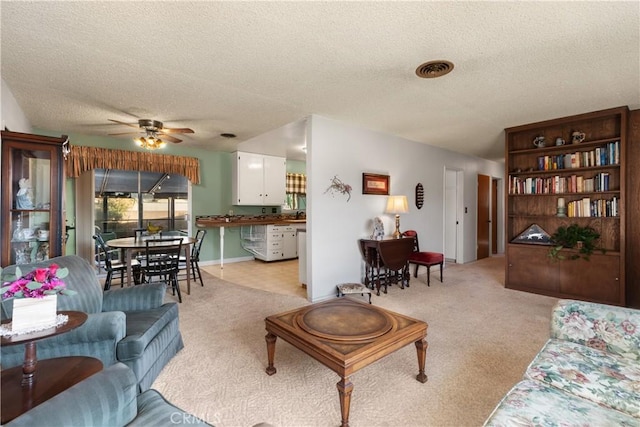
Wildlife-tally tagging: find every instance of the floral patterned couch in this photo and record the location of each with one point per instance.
(587, 374)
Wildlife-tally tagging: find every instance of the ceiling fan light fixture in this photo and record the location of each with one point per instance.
(150, 142)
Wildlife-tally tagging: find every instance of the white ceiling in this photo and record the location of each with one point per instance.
(252, 67)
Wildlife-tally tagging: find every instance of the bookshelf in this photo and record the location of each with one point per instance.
(558, 185)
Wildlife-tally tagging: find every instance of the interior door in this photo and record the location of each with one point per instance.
(494, 216)
(484, 185)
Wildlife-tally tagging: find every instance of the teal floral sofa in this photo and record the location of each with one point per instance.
(588, 372)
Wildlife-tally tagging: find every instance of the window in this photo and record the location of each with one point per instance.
(127, 200)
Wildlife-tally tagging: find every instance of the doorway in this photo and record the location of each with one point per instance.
(452, 222)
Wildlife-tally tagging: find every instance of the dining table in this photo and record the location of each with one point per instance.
(129, 245)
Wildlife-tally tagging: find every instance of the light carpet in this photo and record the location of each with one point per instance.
(481, 338)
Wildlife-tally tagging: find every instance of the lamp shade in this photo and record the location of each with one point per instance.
(397, 205)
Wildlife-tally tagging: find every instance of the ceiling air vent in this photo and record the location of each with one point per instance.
(433, 69)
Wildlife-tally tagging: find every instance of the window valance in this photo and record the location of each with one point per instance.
(82, 159)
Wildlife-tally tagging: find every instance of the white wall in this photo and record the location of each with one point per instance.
(335, 225)
(11, 115)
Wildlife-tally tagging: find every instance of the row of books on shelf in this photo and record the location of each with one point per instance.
(601, 156)
(593, 208)
(559, 184)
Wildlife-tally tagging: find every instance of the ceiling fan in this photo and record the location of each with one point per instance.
(152, 129)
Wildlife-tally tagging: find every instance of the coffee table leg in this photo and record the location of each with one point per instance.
(421, 347)
(271, 350)
(345, 387)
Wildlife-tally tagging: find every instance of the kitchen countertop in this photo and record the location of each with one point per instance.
(240, 220)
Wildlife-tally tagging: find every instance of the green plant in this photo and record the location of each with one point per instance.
(585, 239)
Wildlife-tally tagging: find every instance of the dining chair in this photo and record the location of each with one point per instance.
(114, 254)
(194, 257)
(161, 262)
(112, 264)
(427, 259)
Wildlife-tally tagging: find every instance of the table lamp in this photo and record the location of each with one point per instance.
(397, 205)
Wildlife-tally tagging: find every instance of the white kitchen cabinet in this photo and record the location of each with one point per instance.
(258, 179)
(270, 242)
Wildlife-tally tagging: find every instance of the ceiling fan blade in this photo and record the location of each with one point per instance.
(168, 137)
(177, 130)
(124, 133)
(133, 125)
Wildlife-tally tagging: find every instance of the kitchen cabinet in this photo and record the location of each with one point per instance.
(32, 211)
(258, 179)
(270, 242)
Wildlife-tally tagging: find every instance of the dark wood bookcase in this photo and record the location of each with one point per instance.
(589, 177)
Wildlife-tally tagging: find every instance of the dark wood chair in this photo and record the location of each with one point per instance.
(427, 259)
(161, 262)
(112, 264)
(194, 257)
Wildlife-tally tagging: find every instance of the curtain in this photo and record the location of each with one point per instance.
(296, 187)
(82, 159)
(296, 183)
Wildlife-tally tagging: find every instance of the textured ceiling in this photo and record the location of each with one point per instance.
(251, 67)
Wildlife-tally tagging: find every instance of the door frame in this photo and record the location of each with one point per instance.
(459, 199)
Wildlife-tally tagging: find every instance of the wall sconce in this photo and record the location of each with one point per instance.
(397, 205)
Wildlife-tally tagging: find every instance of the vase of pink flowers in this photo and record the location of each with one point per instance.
(35, 296)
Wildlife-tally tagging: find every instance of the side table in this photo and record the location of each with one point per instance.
(27, 386)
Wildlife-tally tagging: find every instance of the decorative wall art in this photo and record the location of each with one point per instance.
(419, 196)
(337, 186)
(375, 184)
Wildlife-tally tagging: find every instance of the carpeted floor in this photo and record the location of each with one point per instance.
(481, 338)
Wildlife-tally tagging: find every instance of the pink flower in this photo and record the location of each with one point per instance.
(37, 284)
(40, 275)
(628, 327)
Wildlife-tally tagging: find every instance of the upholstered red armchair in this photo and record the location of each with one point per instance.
(423, 258)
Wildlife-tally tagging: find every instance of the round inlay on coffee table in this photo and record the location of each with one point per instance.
(328, 321)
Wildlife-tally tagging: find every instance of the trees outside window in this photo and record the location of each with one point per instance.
(128, 200)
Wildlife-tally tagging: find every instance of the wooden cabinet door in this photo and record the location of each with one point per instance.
(530, 269)
(275, 175)
(250, 181)
(595, 280)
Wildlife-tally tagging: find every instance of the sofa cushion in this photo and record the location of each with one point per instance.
(142, 327)
(532, 403)
(155, 410)
(605, 327)
(599, 376)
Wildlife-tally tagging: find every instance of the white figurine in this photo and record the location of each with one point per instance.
(378, 229)
(24, 197)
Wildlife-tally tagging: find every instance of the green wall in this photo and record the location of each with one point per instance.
(211, 197)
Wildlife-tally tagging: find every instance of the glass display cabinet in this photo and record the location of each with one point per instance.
(32, 214)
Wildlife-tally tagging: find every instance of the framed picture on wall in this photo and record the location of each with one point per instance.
(375, 184)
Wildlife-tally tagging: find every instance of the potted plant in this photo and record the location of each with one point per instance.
(574, 236)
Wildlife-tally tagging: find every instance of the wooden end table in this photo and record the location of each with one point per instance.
(25, 387)
(345, 336)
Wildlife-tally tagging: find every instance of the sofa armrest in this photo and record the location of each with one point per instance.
(107, 399)
(134, 298)
(605, 327)
(98, 337)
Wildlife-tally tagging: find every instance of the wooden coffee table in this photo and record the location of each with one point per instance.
(345, 336)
